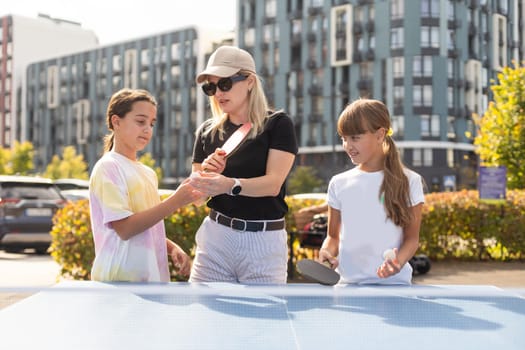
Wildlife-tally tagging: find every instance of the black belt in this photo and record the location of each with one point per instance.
(246, 225)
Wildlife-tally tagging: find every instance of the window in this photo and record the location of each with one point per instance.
(430, 125)
(422, 66)
(450, 69)
(430, 8)
(340, 34)
(398, 65)
(397, 9)
(429, 36)
(451, 42)
(271, 8)
(422, 95)
(451, 14)
(451, 128)
(52, 87)
(399, 96)
(398, 125)
(422, 157)
(396, 38)
(450, 97)
(366, 70)
(450, 158)
(499, 47)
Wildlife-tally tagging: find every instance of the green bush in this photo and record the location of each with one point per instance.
(459, 225)
(454, 225)
(72, 240)
(72, 244)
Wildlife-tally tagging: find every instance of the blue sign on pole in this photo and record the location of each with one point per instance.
(492, 183)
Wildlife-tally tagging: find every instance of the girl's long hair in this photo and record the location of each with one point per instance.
(371, 115)
(257, 109)
(120, 104)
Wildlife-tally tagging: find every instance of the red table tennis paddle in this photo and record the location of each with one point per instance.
(235, 140)
(318, 272)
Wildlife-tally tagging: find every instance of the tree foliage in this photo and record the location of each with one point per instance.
(18, 160)
(304, 180)
(148, 160)
(70, 165)
(500, 138)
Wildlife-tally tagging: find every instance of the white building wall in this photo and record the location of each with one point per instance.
(37, 39)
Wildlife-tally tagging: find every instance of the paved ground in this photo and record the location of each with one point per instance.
(500, 274)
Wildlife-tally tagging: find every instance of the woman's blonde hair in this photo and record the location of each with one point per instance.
(120, 104)
(257, 109)
(368, 115)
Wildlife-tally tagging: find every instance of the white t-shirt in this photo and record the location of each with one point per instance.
(365, 230)
(118, 188)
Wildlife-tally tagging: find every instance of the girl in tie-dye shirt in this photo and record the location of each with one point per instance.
(126, 211)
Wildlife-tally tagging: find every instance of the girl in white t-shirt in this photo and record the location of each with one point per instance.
(374, 207)
(126, 211)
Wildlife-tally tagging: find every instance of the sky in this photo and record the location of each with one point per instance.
(121, 20)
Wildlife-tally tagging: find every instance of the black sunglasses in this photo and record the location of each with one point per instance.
(224, 84)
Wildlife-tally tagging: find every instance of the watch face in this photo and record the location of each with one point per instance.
(236, 190)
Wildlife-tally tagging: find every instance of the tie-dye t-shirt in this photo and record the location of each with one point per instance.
(118, 188)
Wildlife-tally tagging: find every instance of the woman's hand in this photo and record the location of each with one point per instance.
(212, 184)
(215, 162)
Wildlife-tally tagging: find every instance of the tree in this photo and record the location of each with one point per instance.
(303, 180)
(148, 160)
(21, 158)
(5, 154)
(500, 139)
(70, 166)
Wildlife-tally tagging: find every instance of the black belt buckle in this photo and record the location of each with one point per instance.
(234, 226)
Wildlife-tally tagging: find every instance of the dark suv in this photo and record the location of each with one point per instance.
(27, 206)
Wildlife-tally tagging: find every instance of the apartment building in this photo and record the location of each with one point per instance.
(430, 61)
(67, 96)
(22, 41)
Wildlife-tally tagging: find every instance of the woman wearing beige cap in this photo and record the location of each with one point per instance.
(243, 239)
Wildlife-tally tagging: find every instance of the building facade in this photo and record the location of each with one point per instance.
(430, 61)
(67, 97)
(24, 40)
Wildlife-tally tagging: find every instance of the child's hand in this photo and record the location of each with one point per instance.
(189, 194)
(181, 260)
(390, 266)
(325, 257)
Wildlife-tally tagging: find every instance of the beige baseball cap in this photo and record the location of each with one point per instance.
(226, 61)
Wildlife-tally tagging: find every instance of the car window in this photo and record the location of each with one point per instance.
(28, 191)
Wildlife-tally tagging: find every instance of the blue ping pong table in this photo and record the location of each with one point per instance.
(91, 315)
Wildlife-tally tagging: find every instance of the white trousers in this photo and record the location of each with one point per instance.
(227, 255)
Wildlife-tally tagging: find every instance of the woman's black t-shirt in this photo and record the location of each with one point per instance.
(248, 161)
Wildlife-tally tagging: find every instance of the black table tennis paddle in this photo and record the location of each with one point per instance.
(318, 272)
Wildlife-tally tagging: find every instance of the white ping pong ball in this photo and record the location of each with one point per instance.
(389, 254)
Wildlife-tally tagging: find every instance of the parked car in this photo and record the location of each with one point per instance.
(75, 194)
(71, 184)
(27, 206)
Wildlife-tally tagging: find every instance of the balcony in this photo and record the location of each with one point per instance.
(312, 64)
(357, 28)
(315, 90)
(315, 118)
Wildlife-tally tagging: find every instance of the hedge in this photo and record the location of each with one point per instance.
(455, 225)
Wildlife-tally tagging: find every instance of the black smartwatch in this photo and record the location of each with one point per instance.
(236, 188)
